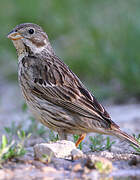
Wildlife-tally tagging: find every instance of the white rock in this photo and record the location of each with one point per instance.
(76, 154)
(59, 149)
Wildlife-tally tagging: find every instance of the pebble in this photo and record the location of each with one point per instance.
(59, 149)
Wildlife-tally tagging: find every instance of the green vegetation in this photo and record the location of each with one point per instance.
(99, 40)
(135, 147)
(99, 143)
(12, 129)
(10, 148)
(103, 167)
(53, 137)
(24, 107)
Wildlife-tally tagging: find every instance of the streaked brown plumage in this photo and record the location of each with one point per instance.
(55, 95)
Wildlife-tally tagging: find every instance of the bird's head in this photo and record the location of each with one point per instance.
(29, 37)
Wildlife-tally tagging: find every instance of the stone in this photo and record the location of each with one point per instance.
(76, 154)
(91, 175)
(134, 161)
(101, 164)
(77, 167)
(59, 149)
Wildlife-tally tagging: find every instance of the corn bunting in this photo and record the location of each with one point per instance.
(54, 94)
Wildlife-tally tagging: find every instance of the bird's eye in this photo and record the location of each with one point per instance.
(31, 31)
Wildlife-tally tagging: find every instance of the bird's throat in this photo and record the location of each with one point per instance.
(20, 47)
(25, 48)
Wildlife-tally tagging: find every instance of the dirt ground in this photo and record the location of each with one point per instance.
(126, 164)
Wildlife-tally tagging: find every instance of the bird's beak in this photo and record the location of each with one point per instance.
(14, 35)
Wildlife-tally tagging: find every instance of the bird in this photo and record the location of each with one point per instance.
(54, 94)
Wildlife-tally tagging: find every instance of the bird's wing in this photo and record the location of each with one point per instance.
(56, 83)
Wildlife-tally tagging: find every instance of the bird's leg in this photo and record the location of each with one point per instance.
(62, 135)
(81, 138)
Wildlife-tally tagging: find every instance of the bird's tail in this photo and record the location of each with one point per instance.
(123, 135)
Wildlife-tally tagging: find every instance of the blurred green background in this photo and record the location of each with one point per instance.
(98, 39)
